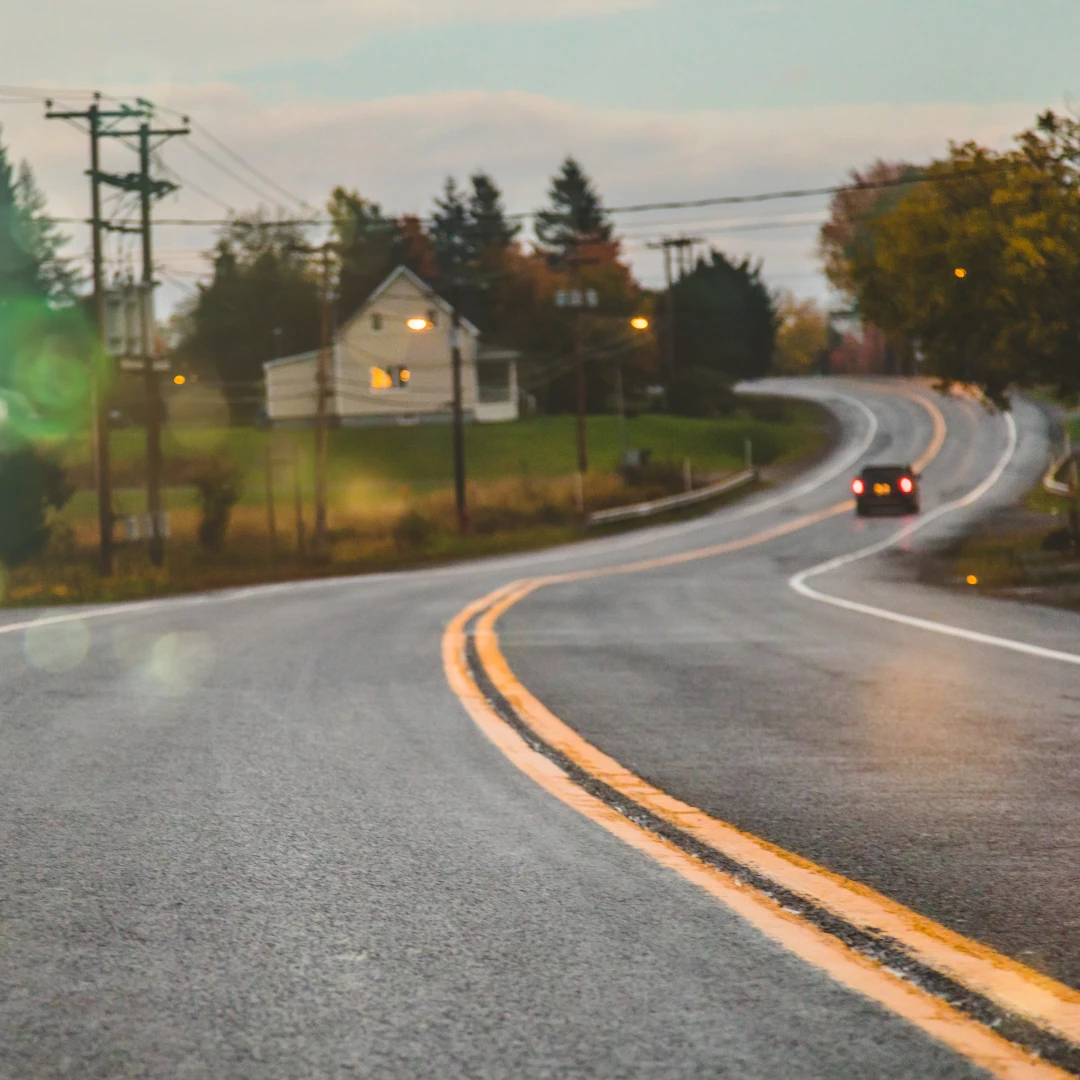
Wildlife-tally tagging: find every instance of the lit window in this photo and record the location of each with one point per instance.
(396, 377)
(376, 320)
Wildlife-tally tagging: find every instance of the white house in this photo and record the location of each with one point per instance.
(391, 362)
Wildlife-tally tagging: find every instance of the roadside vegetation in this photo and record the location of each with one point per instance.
(1024, 551)
(391, 504)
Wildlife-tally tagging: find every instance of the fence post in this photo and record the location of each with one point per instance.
(271, 523)
(301, 544)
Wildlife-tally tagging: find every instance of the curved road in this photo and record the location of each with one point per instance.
(256, 834)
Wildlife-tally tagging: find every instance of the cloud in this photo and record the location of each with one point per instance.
(72, 40)
(398, 151)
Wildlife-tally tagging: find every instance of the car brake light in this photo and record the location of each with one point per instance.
(906, 485)
(857, 486)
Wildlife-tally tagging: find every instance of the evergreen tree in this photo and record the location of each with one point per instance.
(487, 227)
(725, 330)
(56, 275)
(575, 216)
(30, 261)
(450, 232)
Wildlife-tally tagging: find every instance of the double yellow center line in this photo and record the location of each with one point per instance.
(1046, 1012)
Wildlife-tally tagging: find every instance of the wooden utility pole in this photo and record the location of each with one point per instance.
(150, 376)
(682, 245)
(323, 392)
(459, 423)
(99, 381)
(582, 396)
(322, 395)
(148, 189)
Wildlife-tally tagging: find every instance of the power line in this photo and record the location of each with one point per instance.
(636, 208)
(251, 168)
(191, 145)
(193, 186)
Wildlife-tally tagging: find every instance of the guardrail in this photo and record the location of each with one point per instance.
(669, 502)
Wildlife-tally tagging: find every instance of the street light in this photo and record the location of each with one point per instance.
(419, 325)
(639, 324)
(960, 272)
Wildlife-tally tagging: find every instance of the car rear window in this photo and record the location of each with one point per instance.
(884, 473)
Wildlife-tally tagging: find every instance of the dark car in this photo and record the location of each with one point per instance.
(886, 489)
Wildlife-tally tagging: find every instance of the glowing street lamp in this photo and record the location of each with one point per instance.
(639, 323)
(179, 380)
(418, 324)
(960, 272)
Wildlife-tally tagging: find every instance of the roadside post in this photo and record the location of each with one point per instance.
(271, 523)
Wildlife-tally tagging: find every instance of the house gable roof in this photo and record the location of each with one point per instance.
(414, 279)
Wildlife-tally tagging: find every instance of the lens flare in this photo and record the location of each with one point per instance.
(57, 647)
(49, 360)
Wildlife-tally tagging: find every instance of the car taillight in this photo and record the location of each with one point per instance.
(907, 485)
(857, 486)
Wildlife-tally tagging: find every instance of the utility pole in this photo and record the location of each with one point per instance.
(322, 395)
(323, 391)
(150, 377)
(459, 422)
(582, 396)
(682, 245)
(99, 383)
(577, 298)
(148, 189)
(454, 293)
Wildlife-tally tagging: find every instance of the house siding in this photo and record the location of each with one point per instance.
(359, 347)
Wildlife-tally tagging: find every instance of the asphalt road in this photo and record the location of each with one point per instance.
(255, 834)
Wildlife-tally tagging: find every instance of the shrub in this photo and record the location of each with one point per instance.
(413, 531)
(486, 520)
(700, 392)
(30, 484)
(218, 484)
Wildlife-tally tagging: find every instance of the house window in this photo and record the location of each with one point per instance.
(431, 316)
(376, 320)
(390, 378)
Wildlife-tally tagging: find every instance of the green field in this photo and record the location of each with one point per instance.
(419, 458)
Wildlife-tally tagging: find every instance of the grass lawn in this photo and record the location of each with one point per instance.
(419, 457)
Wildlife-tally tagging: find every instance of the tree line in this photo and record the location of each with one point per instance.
(264, 297)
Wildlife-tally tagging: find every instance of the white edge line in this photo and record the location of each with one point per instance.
(798, 581)
(581, 550)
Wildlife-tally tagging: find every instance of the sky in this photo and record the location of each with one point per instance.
(659, 99)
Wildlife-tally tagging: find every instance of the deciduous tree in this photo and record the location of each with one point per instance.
(980, 265)
(802, 335)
